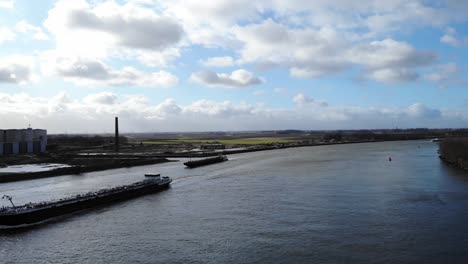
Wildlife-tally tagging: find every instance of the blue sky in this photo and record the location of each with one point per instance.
(221, 65)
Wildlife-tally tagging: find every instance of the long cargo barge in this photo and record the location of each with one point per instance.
(207, 161)
(38, 212)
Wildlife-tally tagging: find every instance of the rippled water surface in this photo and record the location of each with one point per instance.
(327, 204)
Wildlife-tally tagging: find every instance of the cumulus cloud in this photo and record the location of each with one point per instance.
(315, 53)
(135, 32)
(82, 68)
(206, 23)
(390, 61)
(392, 75)
(311, 40)
(442, 72)
(93, 72)
(237, 79)
(223, 12)
(302, 100)
(157, 58)
(105, 98)
(317, 39)
(225, 61)
(95, 113)
(210, 23)
(37, 33)
(452, 38)
(224, 109)
(306, 52)
(17, 69)
(317, 70)
(128, 30)
(398, 15)
(168, 107)
(389, 53)
(419, 110)
(6, 35)
(7, 4)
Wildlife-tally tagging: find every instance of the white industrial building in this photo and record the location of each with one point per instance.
(22, 141)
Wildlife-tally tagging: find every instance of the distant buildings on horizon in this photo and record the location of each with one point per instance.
(22, 141)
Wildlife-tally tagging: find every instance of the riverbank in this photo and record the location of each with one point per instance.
(454, 151)
(255, 148)
(83, 166)
(83, 162)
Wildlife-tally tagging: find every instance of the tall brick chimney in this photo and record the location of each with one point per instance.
(116, 134)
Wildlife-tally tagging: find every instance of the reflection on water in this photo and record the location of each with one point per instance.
(332, 204)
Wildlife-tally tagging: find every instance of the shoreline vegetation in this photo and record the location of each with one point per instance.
(454, 151)
(87, 153)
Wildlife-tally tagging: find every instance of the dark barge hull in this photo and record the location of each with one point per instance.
(41, 214)
(203, 162)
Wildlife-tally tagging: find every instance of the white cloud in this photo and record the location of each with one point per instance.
(167, 108)
(237, 79)
(306, 52)
(145, 32)
(402, 15)
(130, 31)
(219, 12)
(311, 40)
(450, 39)
(442, 72)
(7, 4)
(316, 53)
(93, 72)
(420, 110)
(17, 69)
(95, 113)
(225, 61)
(37, 33)
(6, 35)
(389, 53)
(156, 58)
(390, 61)
(392, 75)
(105, 98)
(206, 23)
(224, 109)
(318, 70)
(302, 100)
(314, 39)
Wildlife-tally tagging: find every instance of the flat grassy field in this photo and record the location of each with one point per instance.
(242, 141)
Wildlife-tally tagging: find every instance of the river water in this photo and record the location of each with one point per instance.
(324, 204)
